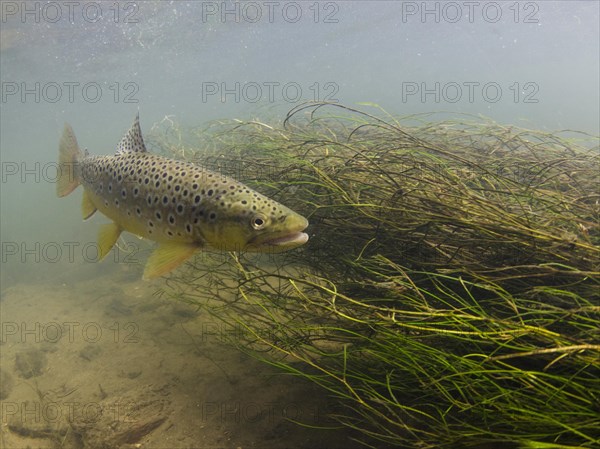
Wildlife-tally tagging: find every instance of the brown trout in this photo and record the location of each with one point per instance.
(181, 206)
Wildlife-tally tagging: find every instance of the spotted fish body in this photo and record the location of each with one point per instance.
(178, 204)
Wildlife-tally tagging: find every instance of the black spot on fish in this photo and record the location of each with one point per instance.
(180, 209)
(165, 199)
(171, 219)
(158, 216)
(197, 199)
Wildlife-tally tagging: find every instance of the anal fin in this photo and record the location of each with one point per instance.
(167, 257)
(107, 237)
(87, 206)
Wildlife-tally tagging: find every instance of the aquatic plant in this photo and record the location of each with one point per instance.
(449, 294)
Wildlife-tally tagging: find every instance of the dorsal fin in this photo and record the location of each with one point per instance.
(132, 141)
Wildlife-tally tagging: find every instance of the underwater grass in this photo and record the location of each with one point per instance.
(448, 296)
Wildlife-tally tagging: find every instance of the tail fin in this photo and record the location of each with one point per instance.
(68, 155)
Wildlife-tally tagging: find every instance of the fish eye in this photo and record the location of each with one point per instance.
(258, 222)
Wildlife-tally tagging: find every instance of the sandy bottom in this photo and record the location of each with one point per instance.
(103, 363)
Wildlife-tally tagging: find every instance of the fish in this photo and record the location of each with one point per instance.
(180, 205)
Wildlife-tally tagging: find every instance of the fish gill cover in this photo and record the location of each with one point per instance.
(449, 294)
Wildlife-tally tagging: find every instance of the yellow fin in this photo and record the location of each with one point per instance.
(87, 207)
(167, 257)
(107, 237)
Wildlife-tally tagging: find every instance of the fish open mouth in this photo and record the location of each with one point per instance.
(294, 238)
(280, 241)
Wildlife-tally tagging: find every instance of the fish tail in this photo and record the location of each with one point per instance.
(68, 156)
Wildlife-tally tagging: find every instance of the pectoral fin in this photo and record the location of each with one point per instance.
(87, 207)
(107, 237)
(167, 257)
